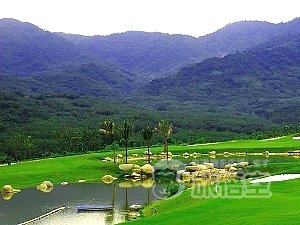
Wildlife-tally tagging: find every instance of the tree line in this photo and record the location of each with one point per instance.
(68, 141)
(109, 136)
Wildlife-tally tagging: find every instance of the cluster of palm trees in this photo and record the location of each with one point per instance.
(125, 130)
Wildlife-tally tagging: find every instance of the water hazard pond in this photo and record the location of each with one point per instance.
(31, 203)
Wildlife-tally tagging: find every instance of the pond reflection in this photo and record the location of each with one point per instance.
(31, 203)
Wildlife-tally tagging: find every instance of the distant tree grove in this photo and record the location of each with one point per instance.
(68, 141)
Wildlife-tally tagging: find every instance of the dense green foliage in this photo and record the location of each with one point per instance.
(65, 124)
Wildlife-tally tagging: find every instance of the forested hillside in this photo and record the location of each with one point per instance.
(153, 55)
(262, 81)
(246, 34)
(56, 89)
(37, 61)
(87, 79)
(55, 124)
(25, 48)
(148, 54)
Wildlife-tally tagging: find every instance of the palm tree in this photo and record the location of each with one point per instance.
(125, 131)
(147, 134)
(109, 130)
(166, 129)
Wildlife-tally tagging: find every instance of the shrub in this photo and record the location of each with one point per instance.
(172, 189)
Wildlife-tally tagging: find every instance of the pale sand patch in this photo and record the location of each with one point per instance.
(210, 143)
(281, 177)
(272, 139)
(7, 164)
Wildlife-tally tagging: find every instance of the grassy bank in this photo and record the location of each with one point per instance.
(69, 169)
(90, 167)
(280, 208)
(281, 144)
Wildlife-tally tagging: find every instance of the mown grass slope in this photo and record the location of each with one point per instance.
(280, 144)
(281, 208)
(90, 167)
(69, 169)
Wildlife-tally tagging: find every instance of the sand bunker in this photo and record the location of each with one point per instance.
(272, 139)
(281, 177)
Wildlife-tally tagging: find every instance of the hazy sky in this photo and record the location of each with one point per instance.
(192, 17)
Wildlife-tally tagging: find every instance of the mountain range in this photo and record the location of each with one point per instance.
(263, 80)
(156, 54)
(246, 68)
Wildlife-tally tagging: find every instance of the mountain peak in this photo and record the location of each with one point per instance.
(25, 48)
(7, 23)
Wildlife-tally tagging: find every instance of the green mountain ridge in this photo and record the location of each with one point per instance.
(106, 67)
(35, 61)
(253, 81)
(246, 34)
(25, 48)
(154, 55)
(56, 88)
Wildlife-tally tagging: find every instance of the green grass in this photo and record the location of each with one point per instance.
(278, 145)
(282, 144)
(281, 208)
(277, 168)
(70, 169)
(89, 166)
